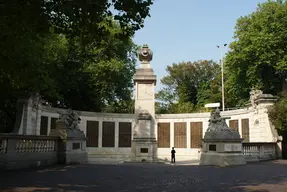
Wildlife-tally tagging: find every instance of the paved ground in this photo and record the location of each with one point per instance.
(261, 177)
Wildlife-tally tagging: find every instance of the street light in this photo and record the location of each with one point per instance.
(222, 77)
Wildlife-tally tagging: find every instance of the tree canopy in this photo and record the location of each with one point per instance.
(188, 86)
(278, 114)
(257, 58)
(74, 53)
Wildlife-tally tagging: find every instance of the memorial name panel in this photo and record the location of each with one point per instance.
(163, 135)
(180, 135)
(108, 134)
(92, 133)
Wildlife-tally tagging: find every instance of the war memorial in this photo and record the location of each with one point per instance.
(231, 137)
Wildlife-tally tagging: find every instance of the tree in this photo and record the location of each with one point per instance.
(30, 69)
(76, 52)
(278, 114)
(190, 85)
(99, 77)
(257, 58)
(75, 16)
(56, 66)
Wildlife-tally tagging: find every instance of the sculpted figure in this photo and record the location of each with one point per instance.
(216, 122)
(71, 120)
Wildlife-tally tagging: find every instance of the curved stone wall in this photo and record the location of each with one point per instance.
(110, 135)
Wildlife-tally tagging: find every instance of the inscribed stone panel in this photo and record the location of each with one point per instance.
(125, 134)
(245, 129)
(195, 134)
(44, 125)
(180, 135)
(108, 134)
(92, 133)
(144, 91)
(163, 135)
(53, 122)
(233, 124)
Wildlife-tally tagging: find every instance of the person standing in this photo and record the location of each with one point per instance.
(173, 155)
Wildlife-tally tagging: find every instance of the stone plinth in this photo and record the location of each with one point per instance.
(222, 146)
(73, 149)
(144, 150)
(144, 145)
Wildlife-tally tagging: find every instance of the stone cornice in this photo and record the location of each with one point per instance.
(203, 115)
(157, 116)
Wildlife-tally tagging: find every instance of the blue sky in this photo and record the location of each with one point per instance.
(189, 30)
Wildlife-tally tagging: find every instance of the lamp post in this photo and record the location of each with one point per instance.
(222, 77)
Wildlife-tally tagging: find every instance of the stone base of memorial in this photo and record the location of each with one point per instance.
(144, 146)
(72, 149)
(144, 150)
(222, 146)
(222, 149)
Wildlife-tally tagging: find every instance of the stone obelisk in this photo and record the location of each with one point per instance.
(144, 144)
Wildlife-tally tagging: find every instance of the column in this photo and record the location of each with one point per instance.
(204, 126)
(172, 134)
(116, 134)
(155, 130)
(100, 133)
(49, 126)
(188, 135)
(240, 127)
(38, 121)
(83, 126)
(133, 128)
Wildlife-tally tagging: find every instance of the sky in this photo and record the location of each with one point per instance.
(190, 30)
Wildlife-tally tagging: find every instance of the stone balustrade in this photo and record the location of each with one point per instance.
(23, 151)
(260, 151)
(3, 145)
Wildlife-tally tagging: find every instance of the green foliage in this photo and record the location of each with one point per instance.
(75, 17)
(100, 76)
(190, 85)
(74, 53)
(161, 108)
(278, 113)
(122, 106)
(257, 58)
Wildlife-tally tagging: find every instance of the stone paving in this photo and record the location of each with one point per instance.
(261, 177)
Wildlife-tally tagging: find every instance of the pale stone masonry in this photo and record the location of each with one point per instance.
(260, 129)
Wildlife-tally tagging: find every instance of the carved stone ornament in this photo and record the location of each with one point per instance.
(36, 100)
(145, 54)
(254, 94)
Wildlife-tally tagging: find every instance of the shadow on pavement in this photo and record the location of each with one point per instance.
(260, 177)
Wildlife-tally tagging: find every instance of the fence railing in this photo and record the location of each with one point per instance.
(260, 151)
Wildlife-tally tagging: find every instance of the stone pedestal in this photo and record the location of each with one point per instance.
(222, 146)
(144, 144)
(144, 150)
(222, 153)
(73, 145)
